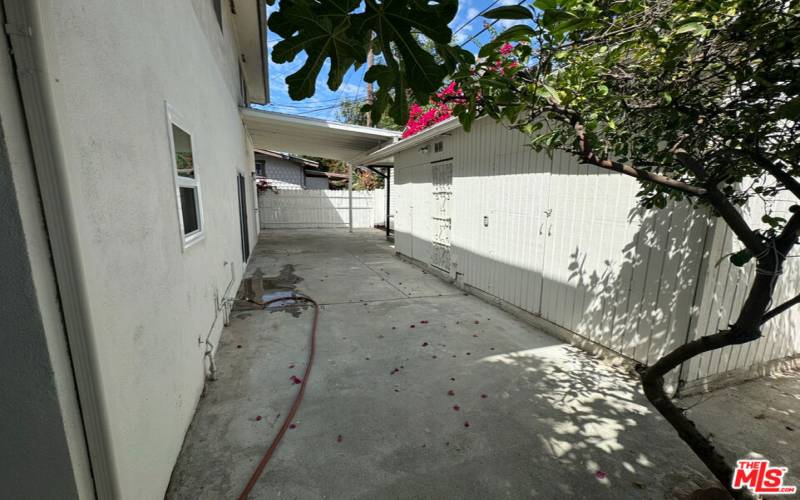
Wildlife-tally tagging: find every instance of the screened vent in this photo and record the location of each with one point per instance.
(438, 147)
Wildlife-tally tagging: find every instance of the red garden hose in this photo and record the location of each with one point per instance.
(297, 399)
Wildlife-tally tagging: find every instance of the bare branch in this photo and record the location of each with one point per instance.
(776, 171)
(723, 206)
(779, 309)
(587, 155)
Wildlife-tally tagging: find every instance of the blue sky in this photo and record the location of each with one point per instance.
(324, 103)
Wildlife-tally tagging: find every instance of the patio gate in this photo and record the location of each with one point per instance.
(442, 198)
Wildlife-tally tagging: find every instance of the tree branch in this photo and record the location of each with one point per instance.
(653, 385)
(723, 206)
(776, 171)
(588, 156)
(779, 309)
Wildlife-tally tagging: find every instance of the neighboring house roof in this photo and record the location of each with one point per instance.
(251, 30)
(301, 135)
(286, 156)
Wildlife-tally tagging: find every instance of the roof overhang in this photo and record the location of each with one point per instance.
(313, 137)
(251, 31)
(379, 155)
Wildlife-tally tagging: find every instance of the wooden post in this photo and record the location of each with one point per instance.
(350, 196)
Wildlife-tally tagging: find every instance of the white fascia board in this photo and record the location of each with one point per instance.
(387, 151)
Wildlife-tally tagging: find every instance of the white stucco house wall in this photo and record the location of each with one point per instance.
(562, 245)
(128, 215)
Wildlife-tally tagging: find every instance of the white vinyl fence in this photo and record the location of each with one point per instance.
(298, 209)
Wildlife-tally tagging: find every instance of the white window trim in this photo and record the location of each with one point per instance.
(188, 240)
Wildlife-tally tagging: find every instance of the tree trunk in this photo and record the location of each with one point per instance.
(746, 329)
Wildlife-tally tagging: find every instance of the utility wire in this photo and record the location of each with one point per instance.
(473, 37)
(476, 16)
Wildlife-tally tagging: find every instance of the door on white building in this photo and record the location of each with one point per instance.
(441, 223)
(244, 228)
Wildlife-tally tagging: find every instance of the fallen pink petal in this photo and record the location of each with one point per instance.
(456, 407)
(600, 474)
(451, 392)
(295, 380)
(466, 424)
(292, 426)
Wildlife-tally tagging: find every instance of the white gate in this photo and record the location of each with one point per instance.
(442, 200)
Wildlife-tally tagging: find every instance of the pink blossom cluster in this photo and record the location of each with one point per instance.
(437, 111)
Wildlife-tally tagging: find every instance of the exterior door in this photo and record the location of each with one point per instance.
(243, 225)
(442, 187)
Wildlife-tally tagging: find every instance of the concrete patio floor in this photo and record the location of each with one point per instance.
(528, 416)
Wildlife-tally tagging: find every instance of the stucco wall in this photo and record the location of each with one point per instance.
(116, 63)
(43, 454)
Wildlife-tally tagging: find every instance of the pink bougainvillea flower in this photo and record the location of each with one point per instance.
(295, 380)
(600, 474)
(513, 64)
(258, 418)
(506, 49)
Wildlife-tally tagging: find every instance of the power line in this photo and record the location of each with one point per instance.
(473, 37)
(476, 16)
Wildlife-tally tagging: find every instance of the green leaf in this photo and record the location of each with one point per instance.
(516, 32)
(509, 12)
(337, 33)
(741, 257)
(546, 91)
(790, 110)
(692, 27)
(545, 4)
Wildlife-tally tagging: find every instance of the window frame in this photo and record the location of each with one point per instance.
(187, 240)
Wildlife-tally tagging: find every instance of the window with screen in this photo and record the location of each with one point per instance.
(188, 186)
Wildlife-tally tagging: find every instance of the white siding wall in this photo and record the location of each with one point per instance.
(317, 183)
(285, 174)
(566, 242)
(724, 291)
